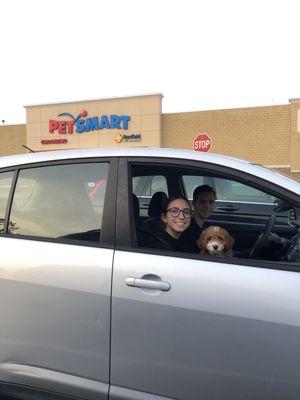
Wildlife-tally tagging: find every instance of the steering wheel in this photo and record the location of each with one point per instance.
(263, 237)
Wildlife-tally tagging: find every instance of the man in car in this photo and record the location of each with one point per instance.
(204, 198)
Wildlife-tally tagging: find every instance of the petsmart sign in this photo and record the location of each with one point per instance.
(81, 123)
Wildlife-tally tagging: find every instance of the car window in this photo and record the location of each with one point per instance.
(148, 185)
(61, 201)
(229, 190)
(5, 185)
(144, 187)
(190, 183)
(241, 209)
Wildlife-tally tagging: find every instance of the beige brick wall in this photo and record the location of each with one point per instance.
(12, 137)
(295, 137)
(258, 134)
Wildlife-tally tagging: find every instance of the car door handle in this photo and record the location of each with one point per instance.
(228, 208)
(148, 284)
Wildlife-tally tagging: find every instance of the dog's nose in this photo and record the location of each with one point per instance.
(215, 246)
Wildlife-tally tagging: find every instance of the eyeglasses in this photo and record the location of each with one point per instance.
(175, 212)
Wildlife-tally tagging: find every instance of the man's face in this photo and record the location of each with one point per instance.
(204, 204)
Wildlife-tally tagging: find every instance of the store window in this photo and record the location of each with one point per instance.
(60, 202)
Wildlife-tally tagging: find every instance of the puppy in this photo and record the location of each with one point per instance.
(215, 241)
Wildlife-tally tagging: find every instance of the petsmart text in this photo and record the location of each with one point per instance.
(89, 124)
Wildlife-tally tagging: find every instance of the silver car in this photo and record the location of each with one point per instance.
(89, 313)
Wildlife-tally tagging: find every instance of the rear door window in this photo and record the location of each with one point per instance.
(232, 196)
(60, 202)
(144, 187)
(229, 190)
(5, 185)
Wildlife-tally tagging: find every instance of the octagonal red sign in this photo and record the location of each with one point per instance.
(202, 142)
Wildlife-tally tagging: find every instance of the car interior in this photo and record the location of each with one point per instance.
(263, 225)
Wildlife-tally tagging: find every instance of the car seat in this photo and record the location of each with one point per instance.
(154, 223)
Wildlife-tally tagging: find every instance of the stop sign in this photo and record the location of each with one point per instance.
(202, 142)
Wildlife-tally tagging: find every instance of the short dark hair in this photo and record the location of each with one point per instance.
(203, 189)
(173, 198)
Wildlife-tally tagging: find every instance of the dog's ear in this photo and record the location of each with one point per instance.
(229, 241)
(201, 243)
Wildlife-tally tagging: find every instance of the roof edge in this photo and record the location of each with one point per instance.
(101, 99)
(296, 100)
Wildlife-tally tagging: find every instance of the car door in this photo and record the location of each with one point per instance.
(57, 248)
(192, 328)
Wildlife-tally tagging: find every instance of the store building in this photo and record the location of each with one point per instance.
(266, 135)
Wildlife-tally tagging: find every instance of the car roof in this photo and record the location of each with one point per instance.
(217, 159)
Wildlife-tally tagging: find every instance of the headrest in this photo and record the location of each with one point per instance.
(156, 204)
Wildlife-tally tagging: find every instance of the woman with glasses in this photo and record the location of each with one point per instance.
(176, 217)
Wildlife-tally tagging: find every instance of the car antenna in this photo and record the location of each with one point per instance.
(28, 148)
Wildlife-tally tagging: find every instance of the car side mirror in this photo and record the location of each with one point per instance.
(282, 206)
(296, 222)
(291, 216)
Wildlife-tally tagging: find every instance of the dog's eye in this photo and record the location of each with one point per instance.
(209, 238)
(220, 238)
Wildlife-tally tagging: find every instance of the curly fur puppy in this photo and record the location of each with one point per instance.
(215, 241)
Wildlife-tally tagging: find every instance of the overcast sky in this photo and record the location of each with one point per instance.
(199, 54)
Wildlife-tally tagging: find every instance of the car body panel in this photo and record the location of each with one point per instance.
(57, 316)
(51, 384)
(221, 331)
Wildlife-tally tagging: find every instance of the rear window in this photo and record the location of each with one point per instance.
(5, 185)
(61, 201)
(146, 186)
(227, 190)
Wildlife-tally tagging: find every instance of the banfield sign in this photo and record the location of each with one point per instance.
(82, 124)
